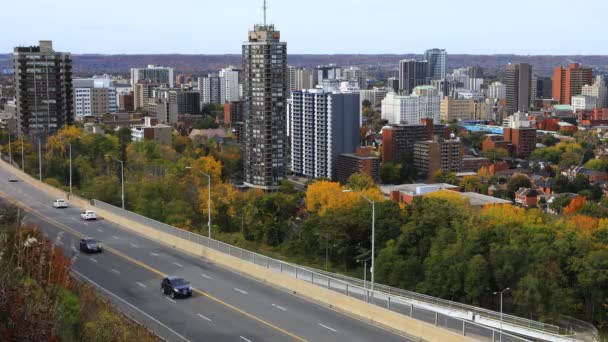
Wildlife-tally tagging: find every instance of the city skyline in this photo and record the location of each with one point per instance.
(381, 27)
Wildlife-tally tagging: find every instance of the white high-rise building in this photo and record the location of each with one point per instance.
(152, 74)
(437, 59)
(497, 90)
(583, 102)
(598, 90)
(424, 103)
(94, 96)
(210, 89)
(229, 84)
(356, 74)
(322, 125)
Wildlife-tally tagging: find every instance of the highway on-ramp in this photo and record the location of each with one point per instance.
(226, 305)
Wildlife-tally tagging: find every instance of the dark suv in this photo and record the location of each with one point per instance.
(90, 245)
(176, 287)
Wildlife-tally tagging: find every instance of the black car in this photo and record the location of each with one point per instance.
(90, 245)
(13, 180)
(176, 287)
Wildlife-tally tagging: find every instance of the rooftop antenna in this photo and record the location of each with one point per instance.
(265, 9)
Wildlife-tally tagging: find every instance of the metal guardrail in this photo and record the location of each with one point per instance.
(450, 305)
(391, 302)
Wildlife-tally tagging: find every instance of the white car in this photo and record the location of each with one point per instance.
(88, 215)
(60, 203)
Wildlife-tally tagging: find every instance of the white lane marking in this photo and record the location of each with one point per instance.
(74, 249)
(206, 276)
(203, 317)
(115, 271)
(328, 328)
(129, 304)
(246, 340)
(133, 245)
(171, 300)
(241, 291)
(115, 237)
(151, 253)
(73, 218)
(178, 265)
(99, 230)
(279, 307)
(93, 260)
(59, 243)
(140, 284)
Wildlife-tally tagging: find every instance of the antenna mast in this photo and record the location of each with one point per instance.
(265, 9)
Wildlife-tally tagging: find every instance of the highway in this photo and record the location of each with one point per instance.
(226, 305)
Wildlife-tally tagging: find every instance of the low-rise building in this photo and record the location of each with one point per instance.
(433, 155)
(363, 161)
(152, 131)
(528, 198)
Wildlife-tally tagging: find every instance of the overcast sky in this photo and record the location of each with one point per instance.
(311, 26)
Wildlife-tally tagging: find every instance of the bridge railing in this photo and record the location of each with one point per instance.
(396, 302)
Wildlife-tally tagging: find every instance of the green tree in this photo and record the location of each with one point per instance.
(390, 173)
(496, 154)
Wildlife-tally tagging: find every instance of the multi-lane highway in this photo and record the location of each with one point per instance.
(226, 305)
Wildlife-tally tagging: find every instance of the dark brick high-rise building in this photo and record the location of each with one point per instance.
(43, 84)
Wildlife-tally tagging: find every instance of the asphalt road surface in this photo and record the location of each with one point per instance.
(226, 306)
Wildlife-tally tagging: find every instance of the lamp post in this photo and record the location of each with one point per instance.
(22, 158)
(70, 144)
(208, 199)
(373, 257)
(364, 271)
(39, 159)
(501, 293)
(10, 152)
(122, 177)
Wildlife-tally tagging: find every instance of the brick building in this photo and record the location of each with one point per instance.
(569, 81)
(363, 161)
(433, 155)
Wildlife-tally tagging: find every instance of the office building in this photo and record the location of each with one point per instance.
(393, 84)
(437, 61)
(153, 74)
(521, 133)
(265, 104)
(291, 78)
(163, 110)
(398, 140)
(424, 103)
(127, 102)
(583, 102)
(188, 101)
(43, 89)
(433, 155)
(142, 94)
(497, 90)
(328, 72)
(542, 88)
(210, 89)
(356, 76)
(374, 96)
(362, 161)
(305, 79)
(94, 97)
(323, 125)
(518, 80)
(412, 73)
(598, 90)
(229, 84)
(569, 81)
(454, 109)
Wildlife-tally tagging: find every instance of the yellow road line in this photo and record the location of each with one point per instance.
(141, 264)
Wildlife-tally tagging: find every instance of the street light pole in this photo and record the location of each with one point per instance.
(22, 159)
(364, 271)
(122, 178)
(501, 293)
(39, 159)
(208, 199)
(10, 153)
(70, 144)
(373, 257)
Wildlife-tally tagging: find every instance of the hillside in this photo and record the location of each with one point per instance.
(198, 64)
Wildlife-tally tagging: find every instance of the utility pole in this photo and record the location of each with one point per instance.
(39, 159)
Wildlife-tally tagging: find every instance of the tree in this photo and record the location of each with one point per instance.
(550, 140)
(597, 165)
(471, 184)
(569, 158)
(360, 181)
(206, 122)
(495, 154)
(441, 176)
(390, 173)
(575, 205)
(518, 181)
(366, 103)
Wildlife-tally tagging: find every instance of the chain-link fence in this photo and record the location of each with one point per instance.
(454, 317)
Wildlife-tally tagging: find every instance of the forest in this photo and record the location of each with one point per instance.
(438, 245)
